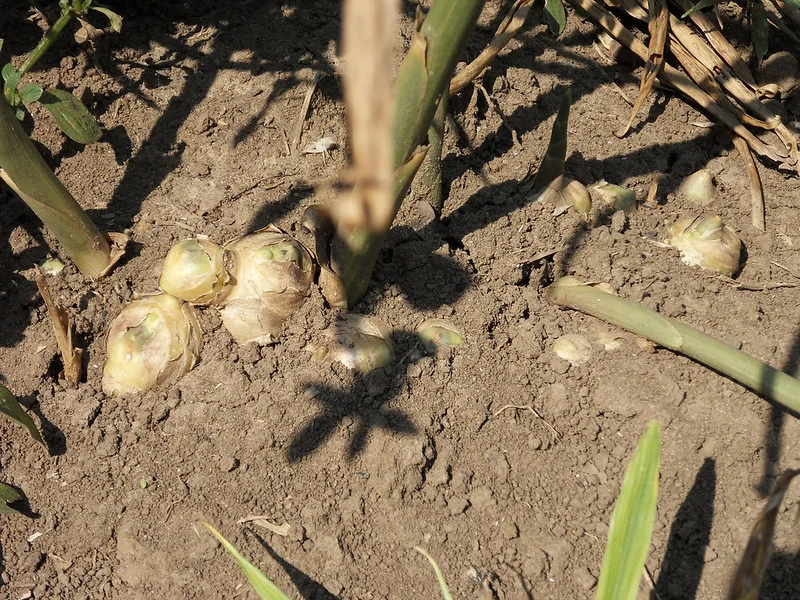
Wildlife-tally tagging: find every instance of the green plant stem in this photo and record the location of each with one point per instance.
(46, 41)
(24, 169)
(427, 69)
(570, 292)
(424, 76)
(431, 170)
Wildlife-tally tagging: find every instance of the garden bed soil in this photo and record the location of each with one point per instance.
(500, 459)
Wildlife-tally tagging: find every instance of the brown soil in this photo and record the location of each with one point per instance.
(200, 108)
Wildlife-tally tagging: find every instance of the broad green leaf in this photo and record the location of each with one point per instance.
(30, 92)
(11, 408)
(552, 167)
(632, 522)
(699, 6)
(555, 16)
(114, 18)
(10, 75)
(71, 115)
(8, 494)
(260, 582)
(11, 81)
(746, 584)
(760, 31)
(438, 572)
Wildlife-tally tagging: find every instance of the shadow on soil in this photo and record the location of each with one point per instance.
(365, 404)
(688, 539)
(307, 587)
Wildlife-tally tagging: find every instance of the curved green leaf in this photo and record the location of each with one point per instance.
(552, 167)
(260, 582)
(632, 522)
(8, 494)
(699, 6)
(10, 407)
(555, 16)
(114, 18)
(72, 116)
(438, 572)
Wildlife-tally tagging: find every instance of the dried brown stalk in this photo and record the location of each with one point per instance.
(677, 80)
(508, 28)
(720, 43)
(658, 26)
(62, 328)
(754, 180)
(790, 11)
(367, 210)
(734, 86)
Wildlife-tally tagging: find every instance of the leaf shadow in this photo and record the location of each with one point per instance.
(307, 587)
(689, 536)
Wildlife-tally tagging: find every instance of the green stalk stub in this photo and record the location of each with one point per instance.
(570, 292)
(25, 171)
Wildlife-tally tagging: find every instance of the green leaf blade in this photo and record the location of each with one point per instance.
(10, 407)
(632, 521)
(71, 115)
(260, 582)
(8, 495)
(30, 92)
(113, 18)
(760, 31)
(552, 167)
(555, 16)
(438, 572)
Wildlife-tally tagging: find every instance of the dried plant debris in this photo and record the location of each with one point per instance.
(713, 75)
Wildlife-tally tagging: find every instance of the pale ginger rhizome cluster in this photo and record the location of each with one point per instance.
(256, 282)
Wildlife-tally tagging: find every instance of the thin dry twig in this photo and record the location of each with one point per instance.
(499, 113)
(62, 328)
(304, 111)
(787, 269)
(756, 287)
(508, 28)
(533, 410)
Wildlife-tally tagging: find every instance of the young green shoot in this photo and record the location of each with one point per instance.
(632, 522)
(263, 586)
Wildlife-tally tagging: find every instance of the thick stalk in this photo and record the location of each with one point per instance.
(25, 171)
(758, 376)
(430, 179)
(427, 68)
(46, 41)
(423, 77)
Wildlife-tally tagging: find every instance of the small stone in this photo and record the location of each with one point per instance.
(584, 578)
(228, 463)
(482, 499)
(509, 530)
(456, 505)
(619, 220)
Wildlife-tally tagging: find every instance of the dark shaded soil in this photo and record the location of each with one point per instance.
(501, 459)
